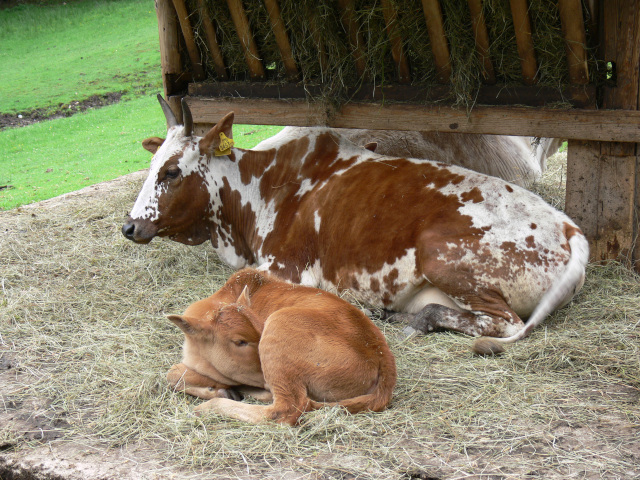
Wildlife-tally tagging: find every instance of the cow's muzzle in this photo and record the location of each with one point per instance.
(139, 232)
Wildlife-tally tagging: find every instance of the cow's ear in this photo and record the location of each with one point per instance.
(371, 146)
(219, 139)
(244, 299)
(152, 144)
(186, 324)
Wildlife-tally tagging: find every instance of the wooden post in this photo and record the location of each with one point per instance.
(189, 40)
(212, 42)
(282, 39)
(439, 46)
(243, 30)
(391, 20)
(482, 40)
(522, 26)
(350, 24)
(575, 40)
(603, 178)
(170, 60)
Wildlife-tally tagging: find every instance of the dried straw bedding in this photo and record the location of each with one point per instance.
(83, 329)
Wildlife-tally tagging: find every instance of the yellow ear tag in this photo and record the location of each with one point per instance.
(225, 146)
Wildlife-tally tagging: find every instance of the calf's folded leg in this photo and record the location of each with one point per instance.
(183, 379)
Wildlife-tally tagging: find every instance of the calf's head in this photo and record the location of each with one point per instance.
(222, 337)
(175, 199)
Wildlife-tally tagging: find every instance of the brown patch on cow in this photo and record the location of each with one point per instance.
(533, 226)
(474, 195)
(282, 179)
(509, 189)
(254, 163)
(238, 223)
(183, 206)
(530, 241)
(375, 285)
(390, 281)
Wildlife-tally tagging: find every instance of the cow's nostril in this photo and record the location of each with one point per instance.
(128, 229)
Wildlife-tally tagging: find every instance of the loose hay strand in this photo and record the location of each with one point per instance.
(83, 332)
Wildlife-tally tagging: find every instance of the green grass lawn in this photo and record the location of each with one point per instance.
(61, 52)
(57, 53)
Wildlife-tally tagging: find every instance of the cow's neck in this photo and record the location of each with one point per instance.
(237, 206)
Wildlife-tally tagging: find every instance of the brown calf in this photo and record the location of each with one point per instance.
(298, 346)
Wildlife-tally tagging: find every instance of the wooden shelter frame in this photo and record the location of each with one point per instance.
(602, 126)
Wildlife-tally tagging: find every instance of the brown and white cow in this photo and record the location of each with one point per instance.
(299, 347)
(520, 160)
(461, 250)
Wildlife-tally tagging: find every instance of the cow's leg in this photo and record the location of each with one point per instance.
(434, 317)
(183, 379)
(283, 410)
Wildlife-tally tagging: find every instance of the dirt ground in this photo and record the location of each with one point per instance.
(551, 408)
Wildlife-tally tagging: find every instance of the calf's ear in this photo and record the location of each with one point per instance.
(152, 144)
(185, 324)
(244, 299)
(221, 133)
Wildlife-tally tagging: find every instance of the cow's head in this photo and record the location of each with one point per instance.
(175, 197)
(222, 337)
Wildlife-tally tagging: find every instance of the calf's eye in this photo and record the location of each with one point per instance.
(241, 343)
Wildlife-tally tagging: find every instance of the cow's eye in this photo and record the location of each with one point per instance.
(241, 343)
(172, 172)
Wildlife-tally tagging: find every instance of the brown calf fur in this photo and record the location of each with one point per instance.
(299, 347)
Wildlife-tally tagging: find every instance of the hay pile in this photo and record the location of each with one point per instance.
(323, 54)
(83, 329)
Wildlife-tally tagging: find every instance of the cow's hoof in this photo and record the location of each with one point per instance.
(229, 393)
(425, 320)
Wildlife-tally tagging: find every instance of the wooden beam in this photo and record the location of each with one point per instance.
(624, 126)
(282, 40)
(356, 40)
(170, 60)
(243, 30)
(575, 40)
(522, 26)
(577, 96)
(482, 40)
(189, 39)
(397, 51)
(439, 46)
(212, 42)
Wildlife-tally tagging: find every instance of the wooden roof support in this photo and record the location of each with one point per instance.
(575, 40)
(391, 20)
(251, 55)
(277, 25)
(350, 24)
(170, 59)
(439, 46)
(189, 40)
(482, 40)
(212, 42)
(522, 26)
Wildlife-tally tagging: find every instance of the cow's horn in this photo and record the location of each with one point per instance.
(188, 119)
(168, 113)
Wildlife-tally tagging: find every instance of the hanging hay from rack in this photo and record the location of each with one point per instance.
(333, 59)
